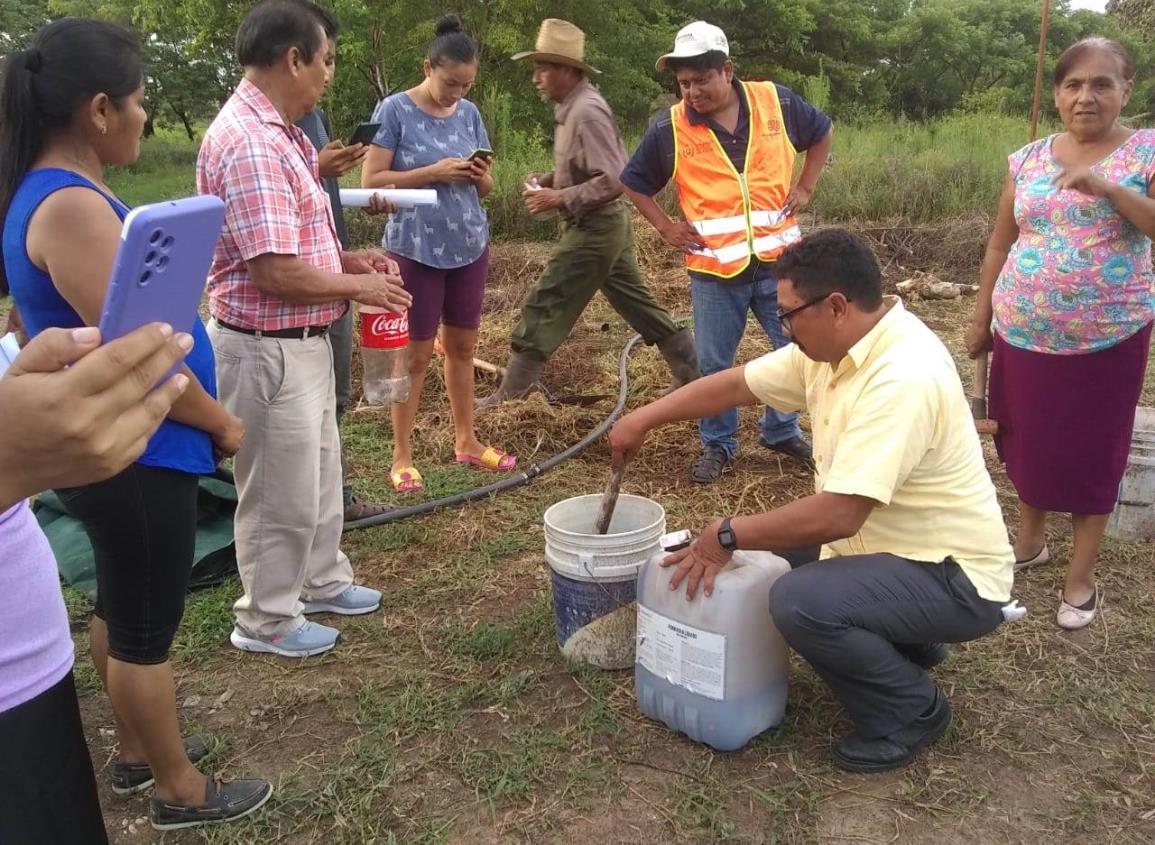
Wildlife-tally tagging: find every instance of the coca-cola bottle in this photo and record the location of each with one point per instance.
(384, 355)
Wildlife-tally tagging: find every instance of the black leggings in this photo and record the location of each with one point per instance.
(46, 783)
(142, 524)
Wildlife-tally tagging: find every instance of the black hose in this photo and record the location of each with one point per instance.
(526, 475)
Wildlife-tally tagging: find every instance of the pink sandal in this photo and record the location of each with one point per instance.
(493, 459)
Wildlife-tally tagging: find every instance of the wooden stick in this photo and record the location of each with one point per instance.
(478, 364)
(979, 397)
(609, 501)
(983, 424)
(1039, 67)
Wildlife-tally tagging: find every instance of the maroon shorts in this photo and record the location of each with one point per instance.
(452, 296)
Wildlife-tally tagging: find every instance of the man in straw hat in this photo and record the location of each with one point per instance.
(597, 245)
(729, 146)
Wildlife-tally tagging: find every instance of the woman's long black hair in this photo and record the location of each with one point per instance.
(67, 63)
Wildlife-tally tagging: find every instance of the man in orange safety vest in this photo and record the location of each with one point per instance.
(729, 147)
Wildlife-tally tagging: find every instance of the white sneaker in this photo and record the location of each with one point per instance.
(308, 640)
(354, 601)
(1072, 618)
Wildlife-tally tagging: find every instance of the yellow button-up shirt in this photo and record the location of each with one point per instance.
(891, 422)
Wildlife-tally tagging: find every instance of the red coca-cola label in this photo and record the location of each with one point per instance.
(384, 331)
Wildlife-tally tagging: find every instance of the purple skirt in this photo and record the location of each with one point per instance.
(1065, 421)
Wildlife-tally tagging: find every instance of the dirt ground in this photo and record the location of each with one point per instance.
(450, 717)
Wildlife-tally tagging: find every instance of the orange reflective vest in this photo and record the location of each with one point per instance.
(737, 214)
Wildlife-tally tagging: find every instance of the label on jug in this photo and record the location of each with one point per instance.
(684, 656)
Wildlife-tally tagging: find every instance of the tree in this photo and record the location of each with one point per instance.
(916, 58)
(1136, 15)
(21, 18)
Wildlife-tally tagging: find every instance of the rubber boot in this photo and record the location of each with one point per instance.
(679, 352)
(521, 374)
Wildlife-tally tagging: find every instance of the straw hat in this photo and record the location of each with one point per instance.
(560, 42)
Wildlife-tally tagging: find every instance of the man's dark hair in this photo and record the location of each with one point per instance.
(713, 60)
(833, 261)
(273, 27)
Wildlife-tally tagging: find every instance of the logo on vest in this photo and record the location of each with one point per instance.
(774, 126)
(690, 150)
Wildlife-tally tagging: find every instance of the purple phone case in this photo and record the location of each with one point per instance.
(162, 265)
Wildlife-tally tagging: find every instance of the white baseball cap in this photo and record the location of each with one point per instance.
(696, 39)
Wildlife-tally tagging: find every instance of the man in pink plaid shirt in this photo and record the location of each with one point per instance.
(279, 279)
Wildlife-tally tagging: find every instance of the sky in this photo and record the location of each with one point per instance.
(1097, 5)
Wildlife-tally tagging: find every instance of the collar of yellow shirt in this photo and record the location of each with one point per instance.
(875, 341)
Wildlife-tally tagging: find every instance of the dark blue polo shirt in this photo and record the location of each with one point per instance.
(652, 164)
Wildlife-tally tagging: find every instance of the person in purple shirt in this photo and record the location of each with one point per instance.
(714, 97)
(71, 104)
(72, 414)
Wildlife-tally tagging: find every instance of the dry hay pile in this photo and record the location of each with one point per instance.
(951, 248)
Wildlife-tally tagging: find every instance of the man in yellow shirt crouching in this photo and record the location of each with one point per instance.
(914, 552)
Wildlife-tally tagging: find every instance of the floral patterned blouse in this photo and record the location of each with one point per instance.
(1079, 278)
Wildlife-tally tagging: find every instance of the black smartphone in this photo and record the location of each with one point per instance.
(364, 134)
(481, 152)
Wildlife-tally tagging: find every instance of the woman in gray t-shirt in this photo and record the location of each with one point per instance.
(426, 139)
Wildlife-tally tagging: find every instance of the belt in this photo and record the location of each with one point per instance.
(298, 333)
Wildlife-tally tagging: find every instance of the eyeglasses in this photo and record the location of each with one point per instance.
(785, 318)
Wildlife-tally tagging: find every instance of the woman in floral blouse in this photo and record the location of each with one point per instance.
(1067, 282)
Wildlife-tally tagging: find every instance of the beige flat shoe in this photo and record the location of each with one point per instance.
(1044, 556)
(1072, 618)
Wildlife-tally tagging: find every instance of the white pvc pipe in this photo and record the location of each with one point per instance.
(404, 197)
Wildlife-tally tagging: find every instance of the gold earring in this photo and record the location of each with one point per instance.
(104, 129)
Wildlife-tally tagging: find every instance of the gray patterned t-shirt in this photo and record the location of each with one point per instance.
(455, 232)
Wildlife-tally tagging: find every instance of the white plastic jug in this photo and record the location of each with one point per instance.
(713, 668)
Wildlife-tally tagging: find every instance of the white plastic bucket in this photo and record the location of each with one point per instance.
(1134, 514)
(594, 576)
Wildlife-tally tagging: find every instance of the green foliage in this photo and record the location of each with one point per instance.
(918, 172)
(20, 18)
(884, 169)
(964, 68)
(918, 59)
(1137, 15)
(166, 169)
(816, 89)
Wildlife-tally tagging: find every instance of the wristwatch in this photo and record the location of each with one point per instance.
(726, 538)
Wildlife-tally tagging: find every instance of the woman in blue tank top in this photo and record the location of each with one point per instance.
(69, 107)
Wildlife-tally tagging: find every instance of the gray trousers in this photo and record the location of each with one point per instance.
(341, 338)
(289, 516)
(854, 619)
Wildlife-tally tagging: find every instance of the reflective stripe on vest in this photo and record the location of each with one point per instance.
(737, 214)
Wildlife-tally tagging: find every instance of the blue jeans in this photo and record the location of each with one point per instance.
(720, 313)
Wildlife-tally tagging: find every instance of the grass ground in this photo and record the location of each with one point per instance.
(450, 717)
